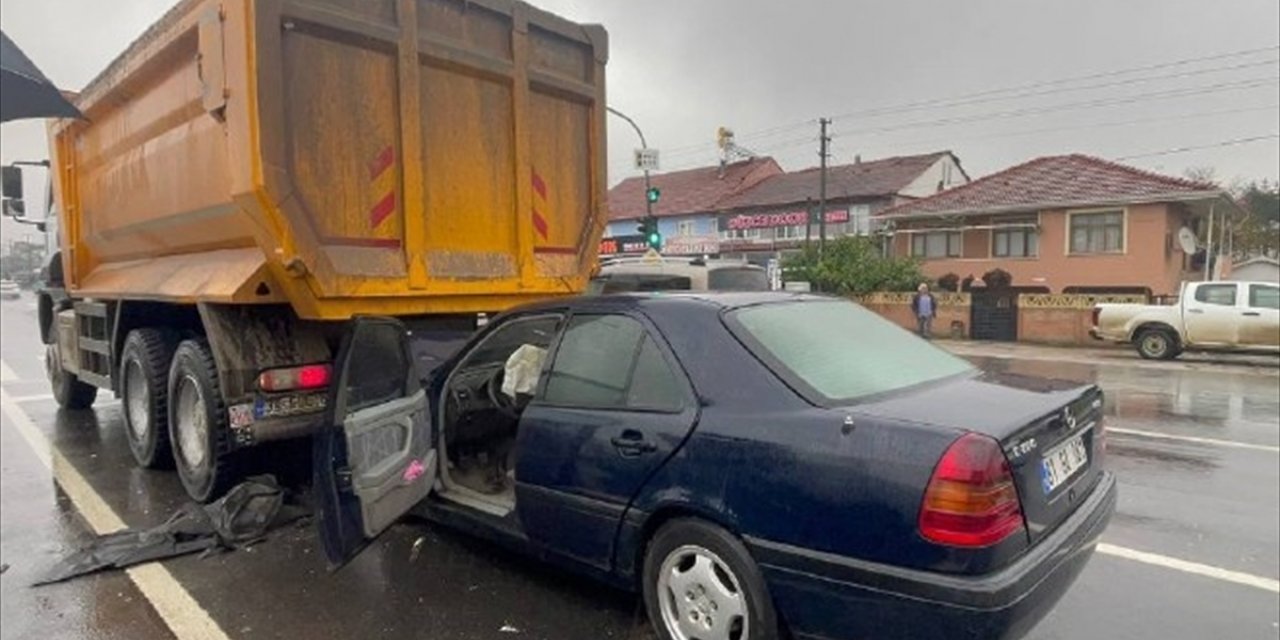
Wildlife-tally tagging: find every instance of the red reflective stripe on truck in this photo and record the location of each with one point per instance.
(382, 162)
(380, 211)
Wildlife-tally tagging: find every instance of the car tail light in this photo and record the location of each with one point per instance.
(311, 376)
(1097, 313)
(971, 500)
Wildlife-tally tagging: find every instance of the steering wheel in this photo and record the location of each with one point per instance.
(505, 405)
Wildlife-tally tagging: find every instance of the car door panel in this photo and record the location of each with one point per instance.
(579, 467)
(375, 459)
(575, 482)
(1260, 319)
(1212, 313)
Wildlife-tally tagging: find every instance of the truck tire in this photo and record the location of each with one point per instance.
(1157, 344)
(700, 581)
(68, 390)
(144, 390)
(198, 430)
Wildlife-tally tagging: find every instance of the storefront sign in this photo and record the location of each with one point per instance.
(623, 244)
(774, 220)
(691, 246)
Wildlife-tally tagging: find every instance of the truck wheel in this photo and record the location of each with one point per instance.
(1157, 344)
(198, 428)
(144, 388)
(68, 390)
(700, 582)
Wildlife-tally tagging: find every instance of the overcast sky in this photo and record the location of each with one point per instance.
(682, 68)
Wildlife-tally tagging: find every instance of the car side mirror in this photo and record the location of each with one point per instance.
(11, 182)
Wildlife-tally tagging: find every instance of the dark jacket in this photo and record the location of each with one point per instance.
(915, 304)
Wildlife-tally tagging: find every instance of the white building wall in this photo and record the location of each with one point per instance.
(945, 171)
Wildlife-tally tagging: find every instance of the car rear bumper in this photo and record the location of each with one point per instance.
(826, 596)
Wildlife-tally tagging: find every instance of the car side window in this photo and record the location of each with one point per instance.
(1262, 296)
(1217, 294)
(609, 362)
(653, 384)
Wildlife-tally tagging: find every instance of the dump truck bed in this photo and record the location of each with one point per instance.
(345, 156)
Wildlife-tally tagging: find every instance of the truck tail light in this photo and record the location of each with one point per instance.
(311, 376)
(1096, 314)
(971, 500)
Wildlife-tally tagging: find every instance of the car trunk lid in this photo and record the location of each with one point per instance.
(1049, 431)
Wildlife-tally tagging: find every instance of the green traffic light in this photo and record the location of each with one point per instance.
(655, 240)
(653, 194)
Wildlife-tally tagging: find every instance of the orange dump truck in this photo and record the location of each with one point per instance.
(251, 174)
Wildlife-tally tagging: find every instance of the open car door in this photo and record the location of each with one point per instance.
(375, 458)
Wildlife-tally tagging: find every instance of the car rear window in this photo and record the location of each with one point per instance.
(738, 279)
(837, 352)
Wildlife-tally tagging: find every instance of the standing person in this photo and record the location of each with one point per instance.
(925, 307)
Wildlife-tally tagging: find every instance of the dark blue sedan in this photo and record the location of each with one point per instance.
(750, 462)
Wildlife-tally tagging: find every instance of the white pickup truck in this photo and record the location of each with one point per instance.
(1209, 316)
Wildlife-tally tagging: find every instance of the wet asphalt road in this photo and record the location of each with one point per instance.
(1213, 501)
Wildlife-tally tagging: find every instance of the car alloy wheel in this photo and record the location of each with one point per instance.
(700, 598)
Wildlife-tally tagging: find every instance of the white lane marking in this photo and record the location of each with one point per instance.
(7, 374)
(179, 610)
(1217, 573)
(1192, 439)
(33, 398)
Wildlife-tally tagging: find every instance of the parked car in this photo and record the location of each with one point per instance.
(744, 460)
(678, 274)
(9, 290)
(1209, 316)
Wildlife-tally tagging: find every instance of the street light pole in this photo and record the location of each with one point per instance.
(644, 145)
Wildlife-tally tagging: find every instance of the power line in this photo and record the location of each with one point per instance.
(1224, 143)
(1034, 85)
(1033, 94)
(1103, 125)
(1071, 106)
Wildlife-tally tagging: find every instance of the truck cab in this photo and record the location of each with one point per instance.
(1209, 316)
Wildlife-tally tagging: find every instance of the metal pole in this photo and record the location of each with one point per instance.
(808, 221)
(644, 145)
(822, 187)
(1208, 249)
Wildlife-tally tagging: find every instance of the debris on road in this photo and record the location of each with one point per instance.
(237, 520)
(507, 628)
(417, 548)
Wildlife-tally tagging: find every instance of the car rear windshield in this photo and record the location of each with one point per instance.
(738, 279)
(837, 352)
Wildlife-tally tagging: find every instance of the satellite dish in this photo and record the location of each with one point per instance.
(1187, 240)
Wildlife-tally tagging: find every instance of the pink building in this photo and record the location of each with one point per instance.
(1065, 224)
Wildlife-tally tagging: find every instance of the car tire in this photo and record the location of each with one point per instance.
(698, 577)
(68, 390)
(144, 392)
(198, 430)
(1157, 344)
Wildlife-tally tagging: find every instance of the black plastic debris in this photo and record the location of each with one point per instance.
(240, 518)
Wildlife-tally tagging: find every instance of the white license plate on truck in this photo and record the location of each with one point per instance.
(1062, 462)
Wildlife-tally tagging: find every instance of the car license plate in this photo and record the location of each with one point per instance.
(1062, 462)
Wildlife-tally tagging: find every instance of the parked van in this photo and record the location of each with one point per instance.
(654, 273)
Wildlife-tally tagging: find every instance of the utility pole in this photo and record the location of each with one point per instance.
(648, 202)
(823, 153)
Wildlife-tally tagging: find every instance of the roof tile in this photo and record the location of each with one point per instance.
(688, 192)
(874, 178)
(1051, 180)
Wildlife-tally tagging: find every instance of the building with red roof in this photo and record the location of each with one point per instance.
(1068, 223)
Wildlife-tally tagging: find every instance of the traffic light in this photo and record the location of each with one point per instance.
(652, 195)
(648, 227)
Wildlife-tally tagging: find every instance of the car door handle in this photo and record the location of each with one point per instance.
(1252, 313)
(1195, 310)
(632, 443)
